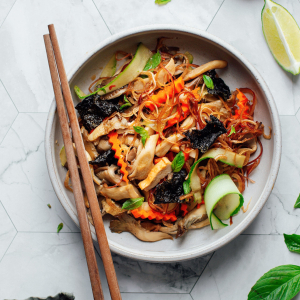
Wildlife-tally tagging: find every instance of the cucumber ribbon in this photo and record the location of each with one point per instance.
(225, 156)
(132, 71)
(222, 200)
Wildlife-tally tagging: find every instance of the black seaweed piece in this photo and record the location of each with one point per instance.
(203, 139)
(170, 190)
(107, 157)
(220, 88)
(93, 110)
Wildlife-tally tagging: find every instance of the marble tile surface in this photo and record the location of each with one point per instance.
(193, 13)
(43, 264)
(243, 31)
(5, 7)
(137, 276)
(25, 187)
(34, 259)
(235, 268)
(22, 53)
(278, 215)
(7, 231)
(8, 112)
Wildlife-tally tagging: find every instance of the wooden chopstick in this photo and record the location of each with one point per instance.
(72, 164)
(86, 174)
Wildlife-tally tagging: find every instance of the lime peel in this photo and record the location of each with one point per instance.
(278, 24)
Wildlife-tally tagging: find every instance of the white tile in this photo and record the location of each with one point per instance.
(43, 264)
(235, 268)
(278, 214)
(7, 231)
(239, 23)
(25, 187)
(120, 15)
(24, 68)
(5, 7)
(8, 112)
(139, 296)
(143, 277)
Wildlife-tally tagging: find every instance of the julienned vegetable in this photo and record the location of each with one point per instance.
(225, 156)
(153, 61)
(108, 71)
(131, 72)
(222, 200)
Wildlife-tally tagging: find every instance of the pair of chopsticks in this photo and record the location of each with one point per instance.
(56, 64)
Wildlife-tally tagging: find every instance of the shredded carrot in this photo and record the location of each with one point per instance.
(243, 106)
(143, 214)
(157, 160)
(184, 207)
(116, 146)
(162, 95)
(187, 154)
(185, 112)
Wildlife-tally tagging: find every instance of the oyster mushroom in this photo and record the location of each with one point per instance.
(129, 224)
(114, 94)
(144, 161)
(122, 192)
(117, 122)
(215, 64)
(110, 174)
(194, 216)
(110, 207)
(103, 145)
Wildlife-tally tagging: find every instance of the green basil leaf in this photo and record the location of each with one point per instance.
(131, 204)
(189, 56)
(142, 132)
(297, 204)
(60, 227)
(186, 187)
(282, 283)
(178, 162)
(208, 82)
(153, 61)
(292, 242)
(49, 205)
(231, 131)
(162, 2)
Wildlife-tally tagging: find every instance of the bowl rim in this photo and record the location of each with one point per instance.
(154, 257)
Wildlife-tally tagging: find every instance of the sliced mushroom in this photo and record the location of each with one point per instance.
(110, 207)
(103, 145)
(158, 172)
(122, 192)
(129, 224)
(114, 94)
(162, 76)
(200, 224)
(110, 175)
(117, 122)
(131, 154)
(144, 161)
(194, 216)
(128, 139)
(215, 64)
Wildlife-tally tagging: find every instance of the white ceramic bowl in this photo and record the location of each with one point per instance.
(239, 73)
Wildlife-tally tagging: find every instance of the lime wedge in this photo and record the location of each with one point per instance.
(282, 34)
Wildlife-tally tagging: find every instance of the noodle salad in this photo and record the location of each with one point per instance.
(168, 143)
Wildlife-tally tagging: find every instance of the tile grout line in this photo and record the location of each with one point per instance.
(102, 17)
(8, 247)
(9, 128)
(8, 14)
(191, 296)
(8, 216)
(9, 95)
(215, 15)
(202, 272)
